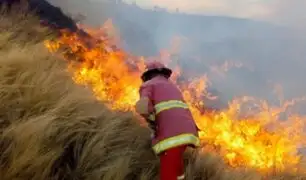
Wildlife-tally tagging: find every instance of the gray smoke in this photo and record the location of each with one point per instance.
(290, 13)
(271, 51)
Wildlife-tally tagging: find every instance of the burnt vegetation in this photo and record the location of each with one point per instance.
(52, 128)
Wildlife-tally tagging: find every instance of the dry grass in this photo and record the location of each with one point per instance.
(21, 28)
(52, 128)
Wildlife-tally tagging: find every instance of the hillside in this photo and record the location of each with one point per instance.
(52, 128)
(135, 23)
(55, 127)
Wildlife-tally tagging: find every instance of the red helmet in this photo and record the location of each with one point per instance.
(155, 67)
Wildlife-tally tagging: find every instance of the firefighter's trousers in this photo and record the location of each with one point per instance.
(172, 164)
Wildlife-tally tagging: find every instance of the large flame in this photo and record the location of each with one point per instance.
(256, 137)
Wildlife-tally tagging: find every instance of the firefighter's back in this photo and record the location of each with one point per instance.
(173, 118)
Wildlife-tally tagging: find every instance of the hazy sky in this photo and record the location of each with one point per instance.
(288, 11)
(229, 7)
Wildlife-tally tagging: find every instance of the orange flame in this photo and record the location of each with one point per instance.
(256, 139)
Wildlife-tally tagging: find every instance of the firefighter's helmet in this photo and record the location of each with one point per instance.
(155, 67)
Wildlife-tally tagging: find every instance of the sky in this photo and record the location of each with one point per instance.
(281, 11)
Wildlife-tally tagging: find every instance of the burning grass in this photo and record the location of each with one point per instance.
(241, 134)
(53, 128)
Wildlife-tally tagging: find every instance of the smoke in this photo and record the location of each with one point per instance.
(280, 11)
(271, 52)
(290, 13)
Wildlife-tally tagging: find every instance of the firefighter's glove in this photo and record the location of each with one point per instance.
(152, 126)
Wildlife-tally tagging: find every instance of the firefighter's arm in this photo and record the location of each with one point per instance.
(144, 105)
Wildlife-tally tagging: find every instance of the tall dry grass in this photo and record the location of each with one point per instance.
(52, 128)
(19, 27)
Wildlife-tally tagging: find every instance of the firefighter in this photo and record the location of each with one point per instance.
(162, 104)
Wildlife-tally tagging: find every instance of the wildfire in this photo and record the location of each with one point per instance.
(255, 137)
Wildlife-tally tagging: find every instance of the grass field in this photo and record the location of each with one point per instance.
(52, 128)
